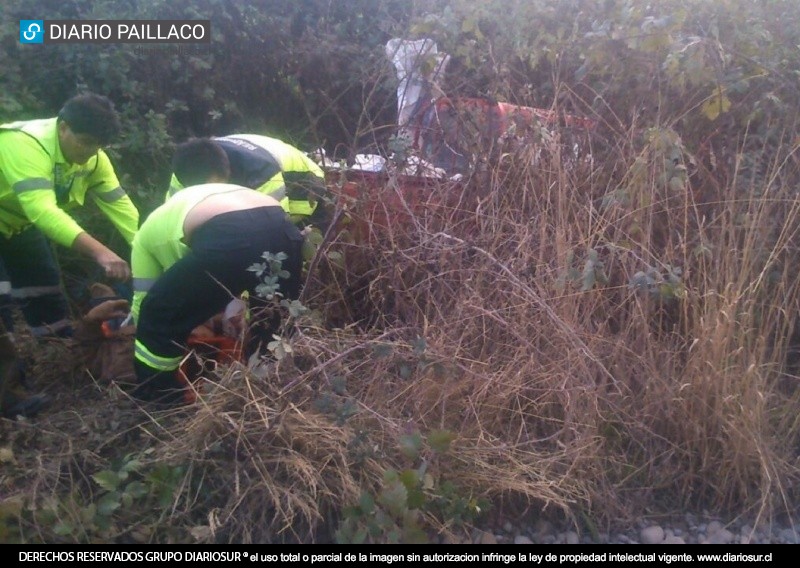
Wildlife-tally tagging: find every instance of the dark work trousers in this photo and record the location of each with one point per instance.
(30, 277)
(202, 283)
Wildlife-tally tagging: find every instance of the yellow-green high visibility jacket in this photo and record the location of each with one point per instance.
(37, 185)
(274, 168)
(159, 242)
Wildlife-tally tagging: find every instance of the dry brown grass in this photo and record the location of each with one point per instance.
(616, 400)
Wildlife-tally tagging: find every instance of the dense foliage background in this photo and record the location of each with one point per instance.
(315, 73)
(602, 335)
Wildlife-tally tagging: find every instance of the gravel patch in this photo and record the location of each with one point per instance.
(687, 529)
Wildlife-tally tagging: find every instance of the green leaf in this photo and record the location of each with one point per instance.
(412, 532)
(315, 237)
(324, 403)
(164, 497)
(89, 513)
(676, 184)
(339, 385)
(410, 479)
(655, 42)
(10, 508)
(360, 536)
(336, 258)
(296, 309)
(103, 523)
(470, 26)
(136, 489)
(348, 409)
(63, 528)
(440, 440)
(309, 250)
(366, 503)
(381, 350)
(394, 498)
(375, 526)
(108, 480)
(393, 536)
(703, 250)
(718, 103)
(416, 499)
(411, 445)
(108, 503)
(414, 535)
(390, 476)
(131, 465)
(588, 278)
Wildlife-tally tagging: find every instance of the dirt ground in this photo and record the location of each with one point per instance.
(85, 426)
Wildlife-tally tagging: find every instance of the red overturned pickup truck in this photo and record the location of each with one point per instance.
(447, 138)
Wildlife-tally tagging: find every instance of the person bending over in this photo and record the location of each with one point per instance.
(191, 257)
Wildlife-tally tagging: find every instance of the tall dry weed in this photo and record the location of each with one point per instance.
(618, 332)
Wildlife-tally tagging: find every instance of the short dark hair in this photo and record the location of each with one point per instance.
(198, 159)
(91, 114)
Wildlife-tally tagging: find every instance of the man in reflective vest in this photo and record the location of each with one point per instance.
(274, 168)
(48, 166)
(192, 255)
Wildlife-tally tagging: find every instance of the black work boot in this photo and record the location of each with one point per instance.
(167, 389)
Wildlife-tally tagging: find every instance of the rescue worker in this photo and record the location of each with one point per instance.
(48, 166)
(192, 255)
(274, 168)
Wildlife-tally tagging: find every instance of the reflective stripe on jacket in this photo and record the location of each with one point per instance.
(272, 167)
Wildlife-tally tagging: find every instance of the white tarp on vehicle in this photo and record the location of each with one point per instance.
(419, 66)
